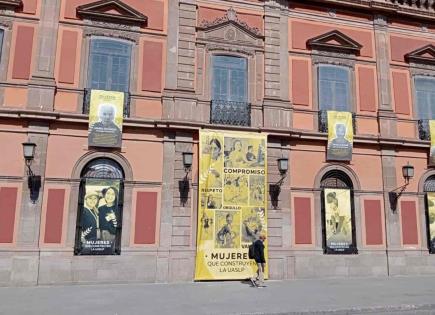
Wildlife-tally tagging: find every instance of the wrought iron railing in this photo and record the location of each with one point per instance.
(423, 129)
(323, 121)
(230, 113)
(87, 102)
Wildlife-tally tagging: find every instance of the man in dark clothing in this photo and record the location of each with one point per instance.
(260, 260)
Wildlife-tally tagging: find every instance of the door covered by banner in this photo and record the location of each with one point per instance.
(232, 203)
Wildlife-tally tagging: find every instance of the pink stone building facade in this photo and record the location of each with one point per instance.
(179, 61)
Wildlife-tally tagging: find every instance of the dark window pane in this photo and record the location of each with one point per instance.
(230, 82)
(109, 65)
(425, 97)
(334, 88)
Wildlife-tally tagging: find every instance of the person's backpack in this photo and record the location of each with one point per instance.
(251, 250)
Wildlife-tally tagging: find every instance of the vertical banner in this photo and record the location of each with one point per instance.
(431, 219)
(105, 119)
(100, 218)
(232, 203)
(432, 142)
(340, 136)
(338, 221)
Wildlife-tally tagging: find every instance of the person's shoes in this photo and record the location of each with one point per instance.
(253, 282)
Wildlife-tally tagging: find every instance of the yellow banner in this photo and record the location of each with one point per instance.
(232, 203)
(338, 220)
(106, 114)
(431, 217)
(432, 142)
(340, 136)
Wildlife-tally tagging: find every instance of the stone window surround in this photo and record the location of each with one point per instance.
(418, 70)
(116, 35)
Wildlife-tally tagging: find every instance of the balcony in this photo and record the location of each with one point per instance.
(87, 102)
(323, 121)
(230, 113)
(423, 129)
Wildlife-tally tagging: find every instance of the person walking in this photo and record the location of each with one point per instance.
(260, 261)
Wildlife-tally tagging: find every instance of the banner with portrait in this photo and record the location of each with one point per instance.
(106, 113)
(100, 217)
(232, 203)
(340, 136)
(431, 220)
(432, 142)
(338, 221)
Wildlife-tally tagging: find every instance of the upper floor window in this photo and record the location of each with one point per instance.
(334, 88)
(230, 79)
(109, 65)
(425, 97)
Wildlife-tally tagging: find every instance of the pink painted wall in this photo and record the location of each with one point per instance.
(408, 213)
(301, 81)
(373, 222)
(303, 31)
(68, 54)
(145, 220)
(402, 45)
(8, 205)
(152, 66)
(367, 94)
(302, 224)
(54, 216)
(22, 53)
(401, 92)
(153, 9)
(11, 160)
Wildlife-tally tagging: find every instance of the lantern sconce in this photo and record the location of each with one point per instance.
(394, 195)
(184, 184)
(275, 189)
(33, 181)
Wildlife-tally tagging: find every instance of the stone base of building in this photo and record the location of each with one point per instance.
(57, 267)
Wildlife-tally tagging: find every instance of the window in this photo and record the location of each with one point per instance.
(109, 65)
(99, 219)
(230, 79)
(338, 219)
(425, 97)
(334, 88)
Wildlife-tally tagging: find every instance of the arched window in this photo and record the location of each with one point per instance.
(99, 219)
(338, 219)
(429, 189)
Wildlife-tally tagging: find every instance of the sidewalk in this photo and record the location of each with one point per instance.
(404, 295)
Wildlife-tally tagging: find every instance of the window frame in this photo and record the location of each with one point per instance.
(416, 77)
(131, 58)
(212, 76)
(350, 75)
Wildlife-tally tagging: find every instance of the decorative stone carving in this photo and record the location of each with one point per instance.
(100, 30)
(230, 18)
(102, 11)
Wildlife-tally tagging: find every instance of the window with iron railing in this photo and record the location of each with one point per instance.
(425, 104)
(229, 104)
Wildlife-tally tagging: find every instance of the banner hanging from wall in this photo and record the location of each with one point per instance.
(232, 203)
(105, 119)
(340, 136)
(432, 142)
(100, 217)
(338, 221)
(431, 220)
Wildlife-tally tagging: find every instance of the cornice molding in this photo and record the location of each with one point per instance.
(424, 55)
(100, 10)
(11, 4)
(335, 41)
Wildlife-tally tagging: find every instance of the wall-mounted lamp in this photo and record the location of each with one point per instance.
(183, 185)
(283, 165)
(33, 181)
(275, 189)
(187, 160)
(394, 195)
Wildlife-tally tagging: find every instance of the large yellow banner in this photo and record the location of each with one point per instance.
(232, 203)
(431, 219)
(432, 142)
(340, 136)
